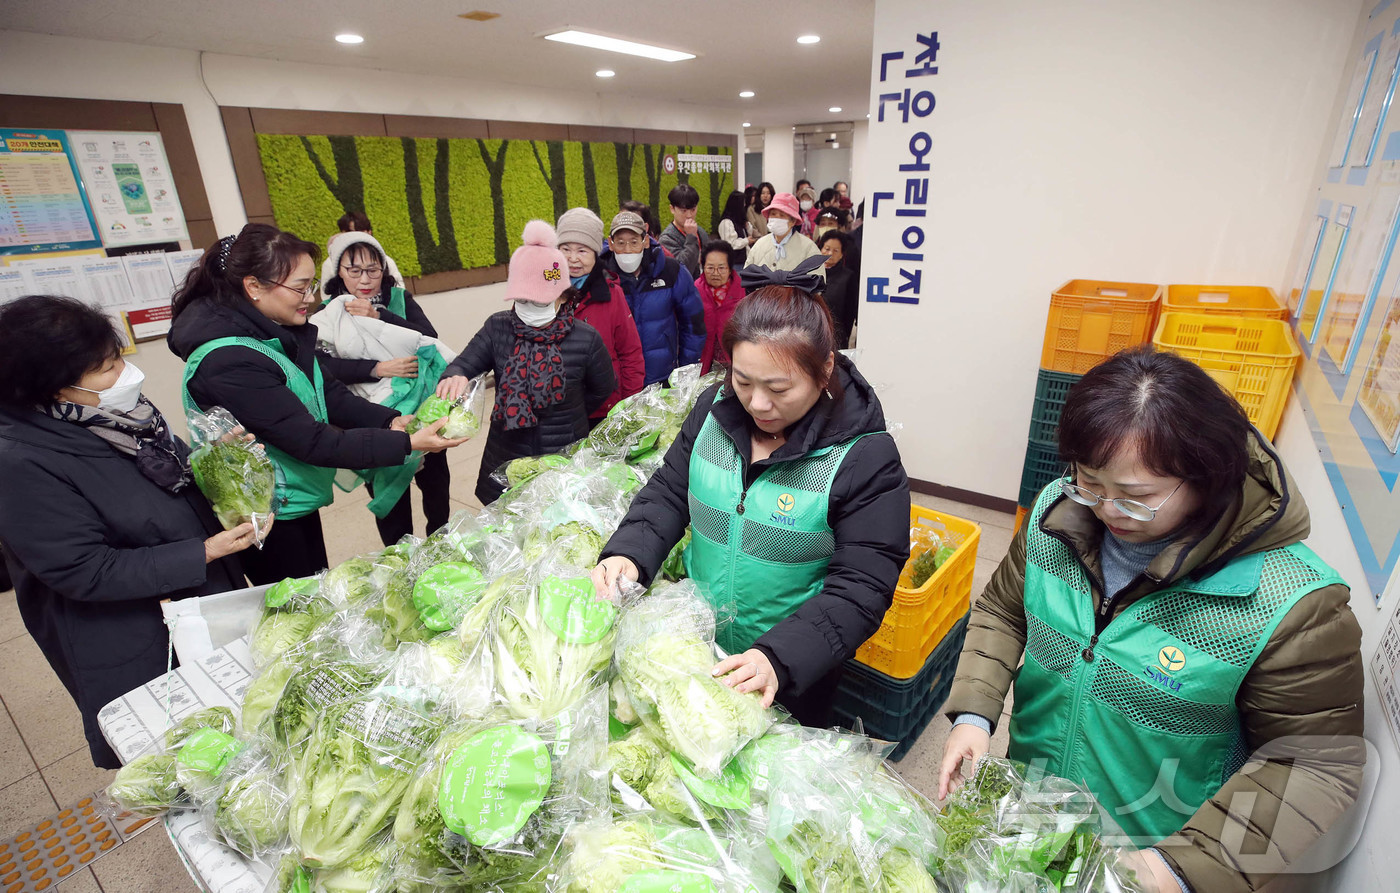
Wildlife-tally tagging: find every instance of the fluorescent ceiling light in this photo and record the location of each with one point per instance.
(747, 124)
(746, 94)
(809, 38)
(617, 45)
(349, 38)
(834, 108)
(604, 73)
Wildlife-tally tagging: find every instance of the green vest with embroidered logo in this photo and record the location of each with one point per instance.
(1145, 716)
(757, 555)
(301, 488)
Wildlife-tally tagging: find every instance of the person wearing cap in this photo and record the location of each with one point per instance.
(684, 238)
(551, 369)
(807, 204)
(372, 336)
(601, 303)
(784, 247)
(661, 294)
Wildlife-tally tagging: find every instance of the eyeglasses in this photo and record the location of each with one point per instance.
(304, 292)
(716, 270)
(1138, 511)
(362, 272)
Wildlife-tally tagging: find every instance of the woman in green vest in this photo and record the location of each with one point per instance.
(1173, 645)
(239, 322)
(795, 495)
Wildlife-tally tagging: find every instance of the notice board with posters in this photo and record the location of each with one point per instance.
(43, 207)
(130, 187)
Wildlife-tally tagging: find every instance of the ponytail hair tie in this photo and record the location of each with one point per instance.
(224, 247)
(802, 277)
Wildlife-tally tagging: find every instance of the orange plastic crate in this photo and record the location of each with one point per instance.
(1256, 301)
(1253, 359)
(1091, 321)
(1021, 512)
(919, 618)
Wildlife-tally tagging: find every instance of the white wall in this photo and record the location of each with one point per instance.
(59, 66)
(860, 140)
(1165, 142)
(778, 158)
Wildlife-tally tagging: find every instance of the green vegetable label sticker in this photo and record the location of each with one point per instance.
(278, 594)
(573, 611)
(444, 592)
(493, 783)
(301, 882)
(730, 791)
(208, 751)
(665, 881)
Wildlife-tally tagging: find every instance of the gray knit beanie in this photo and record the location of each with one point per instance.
(581, 226)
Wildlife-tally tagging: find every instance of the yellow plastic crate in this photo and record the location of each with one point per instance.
(1090, 321)
(919, 618)
(1253, 359)
(1224, 300)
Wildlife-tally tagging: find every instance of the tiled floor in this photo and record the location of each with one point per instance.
(44, 761)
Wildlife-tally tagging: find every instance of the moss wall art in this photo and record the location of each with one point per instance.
(458, 204)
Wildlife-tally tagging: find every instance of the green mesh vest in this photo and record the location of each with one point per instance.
(1144, 716)
(758, 554)
(301, 488)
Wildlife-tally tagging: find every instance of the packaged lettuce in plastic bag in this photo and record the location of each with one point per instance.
(665, 652)
(927, 553)
(552, 643)
(218, 718)
(326, 679)
(463, 415)
(249, 811)
(369, 871)
(236, 476)
(348, 780)
(292, 610)
(147, 786)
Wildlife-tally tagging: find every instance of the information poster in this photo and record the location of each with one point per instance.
(1377, 102)
(1380, 386)
(42, 204)
(151, 288)
(129, 184)
(1356, 282)
(99, 281)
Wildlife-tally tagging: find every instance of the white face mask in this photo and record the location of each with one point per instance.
(535, 315)
(806, 206)
(124, 393)
(778, 227)
(629, 263)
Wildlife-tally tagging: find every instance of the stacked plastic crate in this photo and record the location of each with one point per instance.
(1089, 321)
(901, 676)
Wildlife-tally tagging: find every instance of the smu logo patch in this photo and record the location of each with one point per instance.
(1169, 660)
(785, 504)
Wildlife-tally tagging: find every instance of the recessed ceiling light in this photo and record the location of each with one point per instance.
(604, 73)
(834, 108)
(809, 38)
(349, 38)
(746, 94)
(617, 45)
(747, 124)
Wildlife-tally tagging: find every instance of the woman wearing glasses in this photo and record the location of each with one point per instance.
(1172, 626)
(370, 332)
(239, 322)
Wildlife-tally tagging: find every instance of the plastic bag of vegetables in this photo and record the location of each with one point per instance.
(552, 643)
(463, 414)
(248, 810)
(236, 476)
(347, 782)
(324, 680)
(665, 651)
(147, 786)
(292, 610)
(927, 553)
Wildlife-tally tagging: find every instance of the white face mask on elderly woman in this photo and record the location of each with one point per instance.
(778, 227)
(124, 393)
(535, 315)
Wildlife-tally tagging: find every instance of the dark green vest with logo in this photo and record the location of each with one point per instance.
(302, 488)
(1145, 716)
(758, 554)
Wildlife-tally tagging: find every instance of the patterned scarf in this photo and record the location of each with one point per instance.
(534, 374)
(141, 434)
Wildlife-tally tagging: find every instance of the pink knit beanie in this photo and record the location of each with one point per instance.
(538, 271)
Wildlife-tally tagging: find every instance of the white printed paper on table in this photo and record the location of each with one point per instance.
(138, 720)
(129, 186)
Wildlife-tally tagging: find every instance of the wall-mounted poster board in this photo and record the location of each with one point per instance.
(42, 204)
(129, 184)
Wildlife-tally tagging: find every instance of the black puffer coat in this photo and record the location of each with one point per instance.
(868, 512)
(93, 547)
(589, 381)
(253, 388)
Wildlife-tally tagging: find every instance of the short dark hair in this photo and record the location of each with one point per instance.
(260, 250)
(683, 196)
(47, 343)
(1180, 421)
(354, 222)
(718, 246)
(836, 235)
(840, 183)
(791, 322)
(828, 195)
(800, 184)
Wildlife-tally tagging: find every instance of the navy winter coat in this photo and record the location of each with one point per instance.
(670, 317)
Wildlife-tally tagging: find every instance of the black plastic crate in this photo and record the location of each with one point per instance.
(899, 710)
(1042, 466)
(1051, 389)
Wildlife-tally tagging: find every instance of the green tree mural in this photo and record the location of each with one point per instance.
(553, 174)
(348, 184)
(496, 169)
(438, 253)
(625, 154)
